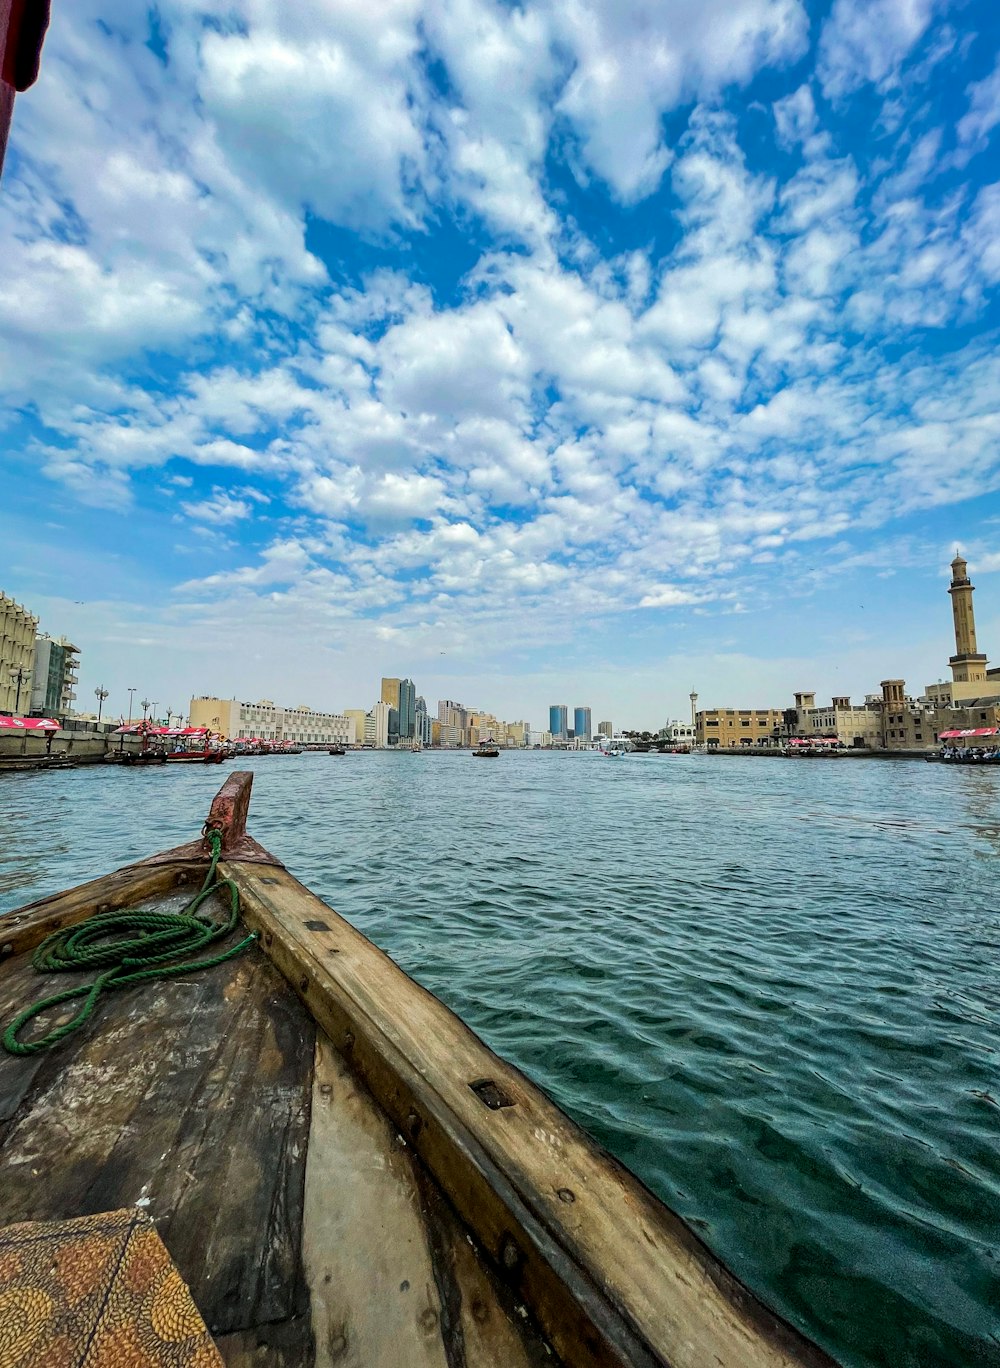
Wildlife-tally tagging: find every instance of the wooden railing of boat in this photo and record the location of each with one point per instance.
(607, 1271)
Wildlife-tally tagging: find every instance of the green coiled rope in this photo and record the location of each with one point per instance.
(146, 945)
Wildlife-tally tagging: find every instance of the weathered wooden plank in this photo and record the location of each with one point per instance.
(611, 1274)
(189, 1097)
(372, 1291)
(393, 1278)
(19, 986)
(29, 925)
(282, 1344)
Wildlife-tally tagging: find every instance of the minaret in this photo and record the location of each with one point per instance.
(694, 706)
(967, 665)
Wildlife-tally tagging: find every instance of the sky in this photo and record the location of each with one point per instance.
(565, 352)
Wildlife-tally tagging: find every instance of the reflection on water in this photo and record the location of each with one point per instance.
(770, 988)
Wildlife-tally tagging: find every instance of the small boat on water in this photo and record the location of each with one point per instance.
(319, 1162)
(337, 750)
(487, 750)
(170, 745)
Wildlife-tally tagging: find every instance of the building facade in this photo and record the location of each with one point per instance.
(605, 729)
(268, 721)
(389, 693)
(421, 721)
(377, 726)
(559, 721)
(731, 728)
(679, 733)
(582, 727)
(17, 652)
(407, 708)
(53, 675)
(357, 716)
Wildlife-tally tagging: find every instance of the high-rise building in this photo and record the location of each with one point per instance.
(605, 729)
(390, 692)
(17, 649)
(53, 674)
(421, 721)
(392, 727)
(452, 714)
(407, 710)
(581, 724)
(377, 726)
(559, 721)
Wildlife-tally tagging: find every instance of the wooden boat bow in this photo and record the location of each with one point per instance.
(608, 1274)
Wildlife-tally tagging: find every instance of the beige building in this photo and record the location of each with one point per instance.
(855, 726)
(731, 728)
(357, 716)
(377, 724)
(17, 651)
(269, 721)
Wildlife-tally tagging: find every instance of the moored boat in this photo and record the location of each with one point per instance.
(340, 1170)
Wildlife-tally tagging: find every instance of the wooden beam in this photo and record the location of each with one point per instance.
(28, 926)
(611, 1274)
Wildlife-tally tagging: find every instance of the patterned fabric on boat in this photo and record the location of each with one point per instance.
(96, 1292)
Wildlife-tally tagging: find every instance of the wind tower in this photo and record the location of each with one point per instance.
(967, 665)
(694, 706)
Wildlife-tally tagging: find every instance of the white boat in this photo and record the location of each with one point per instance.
(617, 748)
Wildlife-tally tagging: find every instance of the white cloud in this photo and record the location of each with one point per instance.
(983, 113)
(867, 40)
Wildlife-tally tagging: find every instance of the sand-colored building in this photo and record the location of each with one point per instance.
(269, 721)
(17, 651)
(731, 728)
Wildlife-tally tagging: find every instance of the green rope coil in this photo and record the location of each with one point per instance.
(143, 945)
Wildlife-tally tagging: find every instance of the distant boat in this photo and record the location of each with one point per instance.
(617, 748)
(486, 750)
(337, 750)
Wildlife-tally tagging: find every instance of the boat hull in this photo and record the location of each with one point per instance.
(330, 1126)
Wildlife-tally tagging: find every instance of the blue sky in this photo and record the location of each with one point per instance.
(565, 352)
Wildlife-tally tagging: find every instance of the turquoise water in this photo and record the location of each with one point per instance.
(770, 987)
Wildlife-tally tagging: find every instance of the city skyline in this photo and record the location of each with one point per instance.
(599, 355)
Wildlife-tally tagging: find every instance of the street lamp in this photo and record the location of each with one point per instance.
(152, 711)
(20, 674)
(130, 693)
(100, 693)
(145, 707)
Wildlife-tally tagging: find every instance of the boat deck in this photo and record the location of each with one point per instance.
(306, 1228)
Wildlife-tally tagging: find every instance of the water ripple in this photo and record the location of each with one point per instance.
(769, 988)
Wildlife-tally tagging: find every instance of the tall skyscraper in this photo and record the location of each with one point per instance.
(407, 709)
(559, 721)
(421, 721)
(390, 691)
(581, 724)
